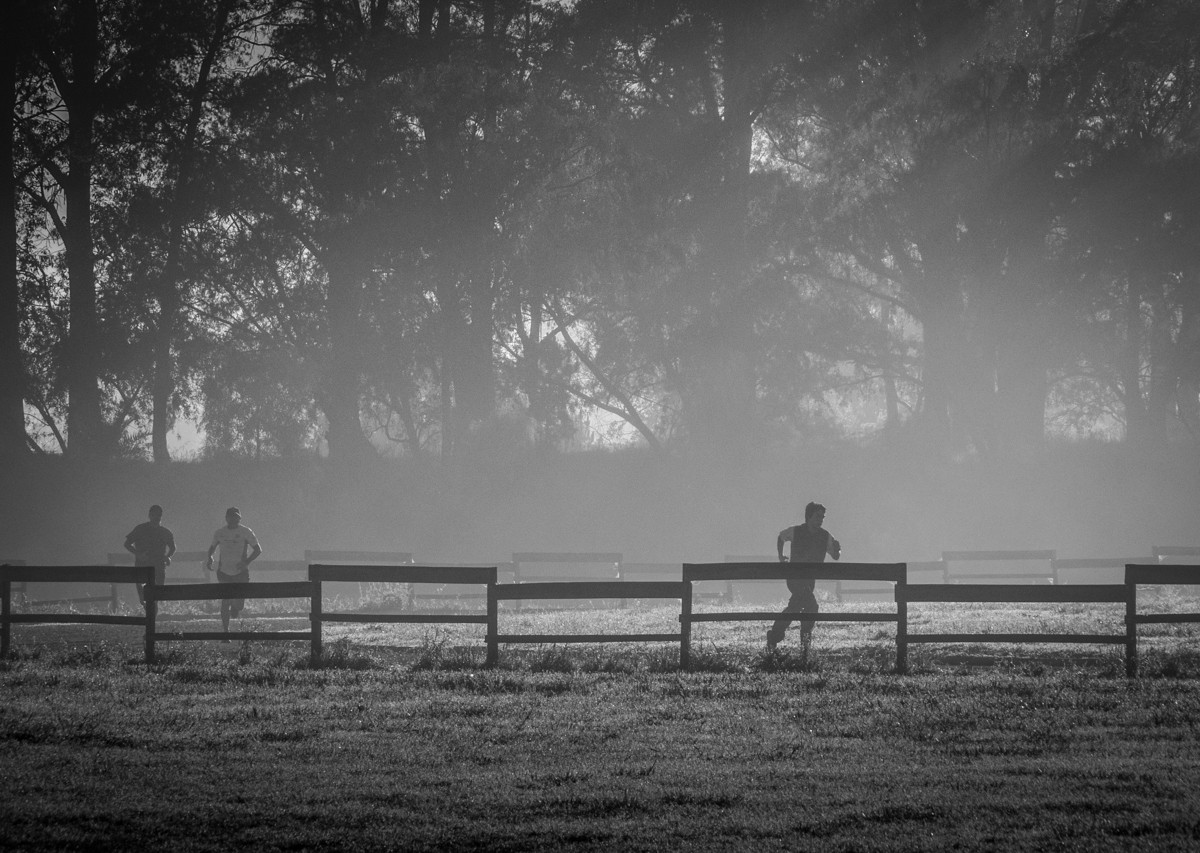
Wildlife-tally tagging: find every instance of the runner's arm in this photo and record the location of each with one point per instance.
(785, 535)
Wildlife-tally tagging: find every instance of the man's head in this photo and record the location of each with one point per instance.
(233, 516)
(814, 514)
(156, 514)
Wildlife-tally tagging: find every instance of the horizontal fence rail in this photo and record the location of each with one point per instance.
(769, 559)
(217, 591)
(459, 592)
(485, 577)
(11, 574)
(361, 557)
(404, 574)
(1017, 593)
(587, 566)
(111, 601)
(568, 590)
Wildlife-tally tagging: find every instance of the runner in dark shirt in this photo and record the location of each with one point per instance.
(810, 543)
(151, 545)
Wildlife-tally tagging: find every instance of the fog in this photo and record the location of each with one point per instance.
(1082, 501)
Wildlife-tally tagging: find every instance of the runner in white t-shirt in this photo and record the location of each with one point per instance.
(238, 549)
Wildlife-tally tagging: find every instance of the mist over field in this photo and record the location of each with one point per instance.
(1083, 501)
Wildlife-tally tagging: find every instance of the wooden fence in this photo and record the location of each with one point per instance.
(581, 567)
(1136, 574)
(1157, 574)
(18, 587)
(217, 591)
(667, 572)
(892, 572)
(458, 575)
(575, 590)
(767, 559)
(358, 558)
(10, 574)
(110, 601)
(982, 593)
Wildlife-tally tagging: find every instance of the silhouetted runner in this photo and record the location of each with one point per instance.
(810, 543)
(151, 545)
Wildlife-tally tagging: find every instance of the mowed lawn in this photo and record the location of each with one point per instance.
(401, 739)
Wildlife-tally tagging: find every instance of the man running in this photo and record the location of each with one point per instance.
(810, 543)
(151, 545)
(238, 549)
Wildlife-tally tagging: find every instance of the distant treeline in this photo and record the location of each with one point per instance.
(340, 226)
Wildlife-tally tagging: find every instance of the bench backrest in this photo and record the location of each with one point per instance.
(357, 557)
(1005, 564)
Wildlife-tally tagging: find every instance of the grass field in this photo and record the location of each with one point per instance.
(401, 739)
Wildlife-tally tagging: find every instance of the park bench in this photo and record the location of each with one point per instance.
(334, 557)
(776, 571)
(1091, 569)
(1176, 554)
(998, 565)
(553, 566)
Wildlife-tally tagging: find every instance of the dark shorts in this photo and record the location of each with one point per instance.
(234, 605)
(160, 578)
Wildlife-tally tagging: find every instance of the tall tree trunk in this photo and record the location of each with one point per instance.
(722, 374)
(12, 413)
(84, 419)
(170, 301)
(342, 391)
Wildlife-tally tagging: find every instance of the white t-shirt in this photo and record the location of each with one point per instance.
(233, 544)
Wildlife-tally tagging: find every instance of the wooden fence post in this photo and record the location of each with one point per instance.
(315, 618)
(1131, 661)
(685, 628)
(5, 612)
(493, 625)
(902, 623)
(151, 604)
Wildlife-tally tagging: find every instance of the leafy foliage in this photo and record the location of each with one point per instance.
(325, 225)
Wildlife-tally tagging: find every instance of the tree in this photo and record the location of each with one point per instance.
(13, 440)
(90, 98)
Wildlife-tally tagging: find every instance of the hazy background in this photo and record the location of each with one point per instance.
(469, 277)
(1082, 501)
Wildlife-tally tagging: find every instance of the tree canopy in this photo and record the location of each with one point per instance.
(418, 226)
